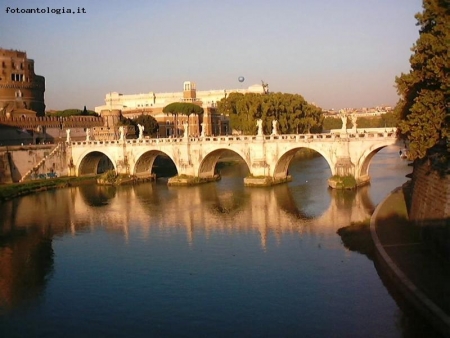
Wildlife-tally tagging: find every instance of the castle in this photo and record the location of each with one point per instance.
(21, 90)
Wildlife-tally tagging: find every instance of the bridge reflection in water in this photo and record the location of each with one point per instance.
(133, 223)
(207, 208)
(32, 222)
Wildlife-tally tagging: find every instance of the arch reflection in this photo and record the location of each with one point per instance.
(31, 222)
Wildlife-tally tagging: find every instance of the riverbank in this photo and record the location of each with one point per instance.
(422, 277)
(10, 191)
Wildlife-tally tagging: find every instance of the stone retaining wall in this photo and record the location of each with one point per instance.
(429, 205)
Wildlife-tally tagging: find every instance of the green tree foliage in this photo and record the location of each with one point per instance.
(183, 108)
(73, 112)
(424, 105)
(332, 123)
(291, 111)
(387, 120)
(125, 121)
(150, 124)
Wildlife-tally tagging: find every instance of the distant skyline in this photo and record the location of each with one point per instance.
(335, 53)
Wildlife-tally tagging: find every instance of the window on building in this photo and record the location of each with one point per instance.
(17, 77)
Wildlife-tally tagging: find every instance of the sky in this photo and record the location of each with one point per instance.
(335, 53)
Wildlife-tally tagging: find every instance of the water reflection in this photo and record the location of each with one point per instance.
(28, 224)
(156, 235)
(26, 263)
(97, 195)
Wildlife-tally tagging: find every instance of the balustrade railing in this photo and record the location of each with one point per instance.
(245, 138)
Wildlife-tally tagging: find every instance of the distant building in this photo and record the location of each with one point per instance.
(207, 98)
(21, 90)
(361, 112)
(131, 106)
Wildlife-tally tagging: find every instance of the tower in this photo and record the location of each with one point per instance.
(20, 88)
(189, 91)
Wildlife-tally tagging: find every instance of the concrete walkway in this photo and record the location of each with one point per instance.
(421, 276)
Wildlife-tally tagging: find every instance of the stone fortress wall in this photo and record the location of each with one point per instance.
(45, 129)
(21, 90)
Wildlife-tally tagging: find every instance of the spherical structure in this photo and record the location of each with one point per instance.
(241, 79)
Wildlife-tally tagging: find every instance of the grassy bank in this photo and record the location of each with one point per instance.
(9, 191)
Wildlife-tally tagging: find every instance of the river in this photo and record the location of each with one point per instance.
(215, 260)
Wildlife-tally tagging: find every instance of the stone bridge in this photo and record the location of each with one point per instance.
(267, 157)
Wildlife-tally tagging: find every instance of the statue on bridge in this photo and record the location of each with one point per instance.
(344, 118)
(186, 130)
(274, 127)
(122, 133)
(202, 134)
(68, 135)
(88, 134)
(141, 131)
(353, 118)
(260, 128)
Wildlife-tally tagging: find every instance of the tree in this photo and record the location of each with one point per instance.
(150, 124)
(73, 112)
(424, 105)
(332, 123)
(184, 108)
(388, 120)
(291, 111)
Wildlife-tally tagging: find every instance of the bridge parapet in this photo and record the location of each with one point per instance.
(242, 138)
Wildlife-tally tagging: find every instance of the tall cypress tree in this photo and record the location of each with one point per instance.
(424, 105)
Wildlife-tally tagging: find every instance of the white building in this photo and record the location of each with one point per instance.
(208, 98)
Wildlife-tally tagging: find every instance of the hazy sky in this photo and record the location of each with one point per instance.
(336, 53)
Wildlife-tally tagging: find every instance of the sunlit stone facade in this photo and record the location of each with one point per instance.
(131, 106)
(152, 100)
(21, 90)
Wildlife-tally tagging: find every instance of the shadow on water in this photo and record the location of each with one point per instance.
(357, 237)
(26, 264)
(97, 195)
(286, 202)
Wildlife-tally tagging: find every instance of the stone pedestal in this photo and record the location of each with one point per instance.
(264, 181)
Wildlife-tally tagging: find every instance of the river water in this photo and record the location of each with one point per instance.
(216, 260)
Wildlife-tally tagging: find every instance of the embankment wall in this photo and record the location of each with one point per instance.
(16, 161)
(429, 205)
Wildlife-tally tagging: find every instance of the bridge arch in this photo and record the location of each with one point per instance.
(94, 163)
(365, 160)
(282, 166)
(144, 162)
(208, 164)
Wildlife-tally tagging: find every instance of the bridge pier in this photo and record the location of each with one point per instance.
(265, 181)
